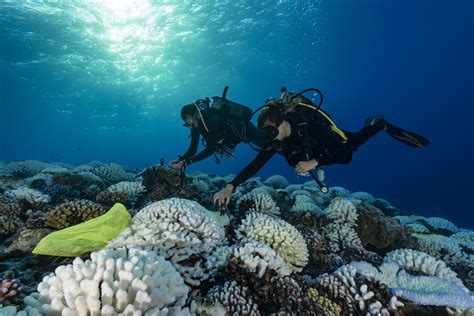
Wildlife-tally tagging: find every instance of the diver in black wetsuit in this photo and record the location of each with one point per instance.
(220, 132)
(308, 138)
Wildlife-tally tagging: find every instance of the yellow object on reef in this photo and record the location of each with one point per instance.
(89, 236)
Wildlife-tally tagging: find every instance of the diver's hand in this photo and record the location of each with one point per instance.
(305, 166)
(224, 196)
(176, 164)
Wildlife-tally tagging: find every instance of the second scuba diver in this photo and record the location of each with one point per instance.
(308, 138)
(222, 124)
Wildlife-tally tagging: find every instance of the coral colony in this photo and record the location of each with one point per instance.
(280, 249)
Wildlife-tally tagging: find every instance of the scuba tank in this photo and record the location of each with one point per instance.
(232, 109)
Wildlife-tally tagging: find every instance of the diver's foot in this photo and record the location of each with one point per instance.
(374, 120)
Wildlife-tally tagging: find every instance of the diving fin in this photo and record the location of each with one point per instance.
(406, 137)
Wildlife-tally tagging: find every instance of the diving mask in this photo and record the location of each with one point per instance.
(270, 131)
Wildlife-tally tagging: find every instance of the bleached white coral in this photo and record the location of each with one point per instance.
(342, 236)
(341, 210)
(263, 202)
(277, 182)
(363, 196)
(441, 223)
(110, 172)
(177, 229)
(424, 290)
(55, 170)
(293, 187)
(414, 260)
(404, 219)
(258, 257)
(47, 178)
(446, 249)
(26, 168)
(27, 194)
(418, 228)
(113, 281)
(364, 297)
(335, 192)
(285, 239)
(304, 203)
(132, 188)
(201, 185)
(464, 235)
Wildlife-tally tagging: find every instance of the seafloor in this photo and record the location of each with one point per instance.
(279, 249)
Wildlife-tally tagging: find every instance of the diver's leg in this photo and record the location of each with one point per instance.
(375, 124)
(372, 126)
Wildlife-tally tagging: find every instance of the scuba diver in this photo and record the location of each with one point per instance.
(308, 138)
(222, 123)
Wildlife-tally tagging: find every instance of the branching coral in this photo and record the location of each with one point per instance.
(71, 213)
(26, 168)
(29, 195)
(160, 182)
(425, 290)
(113, 281)
(258, 257)
(9, 224)
(342, 236)
(180, 230)
(11, 291)
(367, 301)
(281, 236)
(341, 210)
(9, 207)
(439, 223)
(337, 292)
(110, 172)
(329, 307)
(131, 188)
(226, 299)
(418, 261)
(108, 198)
(261, 202)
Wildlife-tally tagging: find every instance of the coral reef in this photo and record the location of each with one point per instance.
(280, 249)
(71, 213)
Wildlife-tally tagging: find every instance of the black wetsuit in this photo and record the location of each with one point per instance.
(311, 138)
(221, 132)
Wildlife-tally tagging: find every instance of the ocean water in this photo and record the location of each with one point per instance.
(105, 80)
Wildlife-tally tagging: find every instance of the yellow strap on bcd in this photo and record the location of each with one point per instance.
(333, 126)
(89, 236)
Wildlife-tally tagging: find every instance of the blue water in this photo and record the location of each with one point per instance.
(105, 80)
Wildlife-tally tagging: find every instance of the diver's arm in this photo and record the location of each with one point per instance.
(193, 146)
(252, 168)
(201, 156)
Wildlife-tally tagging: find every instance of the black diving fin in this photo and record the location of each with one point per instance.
(406, 137)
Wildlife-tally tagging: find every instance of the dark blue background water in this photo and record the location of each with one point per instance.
(67, 96)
